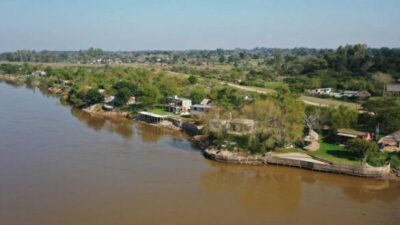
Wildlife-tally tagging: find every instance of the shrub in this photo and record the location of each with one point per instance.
(361, 148)
(93, 97)
(122, 97)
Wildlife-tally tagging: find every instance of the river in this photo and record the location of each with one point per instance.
(62, 166)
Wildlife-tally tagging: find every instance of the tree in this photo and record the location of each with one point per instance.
(150, 95)
(386, 113)
(342, 117)
(125, 84)
(312, 117)
(192, 79)
(93, 97)
(280, 121)
(361, 148)
(197, 95)
(122, 97)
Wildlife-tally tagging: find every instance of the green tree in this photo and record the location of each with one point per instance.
(122, 97)
(361, 148)
(192, 79)
(150, 95)
(93, 97)
(343, 117)
(386, 113)
(197, 95)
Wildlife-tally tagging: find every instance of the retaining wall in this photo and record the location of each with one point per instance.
(354, 170)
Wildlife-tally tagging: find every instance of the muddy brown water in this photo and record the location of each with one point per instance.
(62, 166)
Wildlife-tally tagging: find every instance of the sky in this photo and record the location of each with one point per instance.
(201, 24)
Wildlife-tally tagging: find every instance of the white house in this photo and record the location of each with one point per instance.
(178, 105)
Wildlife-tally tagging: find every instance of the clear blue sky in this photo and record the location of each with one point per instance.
(202, 24)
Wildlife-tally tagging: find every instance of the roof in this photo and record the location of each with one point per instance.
(393, 87)
(205, 101)
(350, 92)
(347, 132)
(201, 106)
(177, 98)
(363, 94)
(395, 137)
(153, 115)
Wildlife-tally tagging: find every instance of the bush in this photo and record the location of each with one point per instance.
(192, 79)
(93, 97)
(122, 97)
(361, 148)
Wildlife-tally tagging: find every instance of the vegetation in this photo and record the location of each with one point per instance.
(361, 148)
(261, 84)
(335, 153)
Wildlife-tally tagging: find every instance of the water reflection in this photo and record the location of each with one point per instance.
(256, 188)
(122, 127)
(281, 190)
(150, 133)
(15, 84)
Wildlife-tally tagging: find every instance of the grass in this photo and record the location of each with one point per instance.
(275, 85)
(159, 111)
(334, 153)
(328, 102)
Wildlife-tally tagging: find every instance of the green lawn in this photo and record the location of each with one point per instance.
(159, 111)
(334, 153)
(275, 84)
(328, 102)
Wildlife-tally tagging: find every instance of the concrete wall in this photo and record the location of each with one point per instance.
(354, 170)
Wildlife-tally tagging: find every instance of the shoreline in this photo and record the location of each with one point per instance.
(312, 164)
(233, 157)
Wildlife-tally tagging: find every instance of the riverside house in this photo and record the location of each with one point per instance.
(390, 142)
(392, 89)
(199, 109)
(177, 105)
(39, 73)
(344, 134)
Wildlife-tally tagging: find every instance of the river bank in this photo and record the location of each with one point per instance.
(301, 161)
(227, 156)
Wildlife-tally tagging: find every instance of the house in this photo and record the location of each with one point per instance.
(39, 73)
(363, 95)
(109, 99)
(323, 91)
(320, 91)
(203, 107)
(131, 101)
(350, 94)
(345, 134)
(392, 89)
(199, 109)
(336, 95)
(178, 105)
(151, 117)
(391, 142)
(206, 101)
